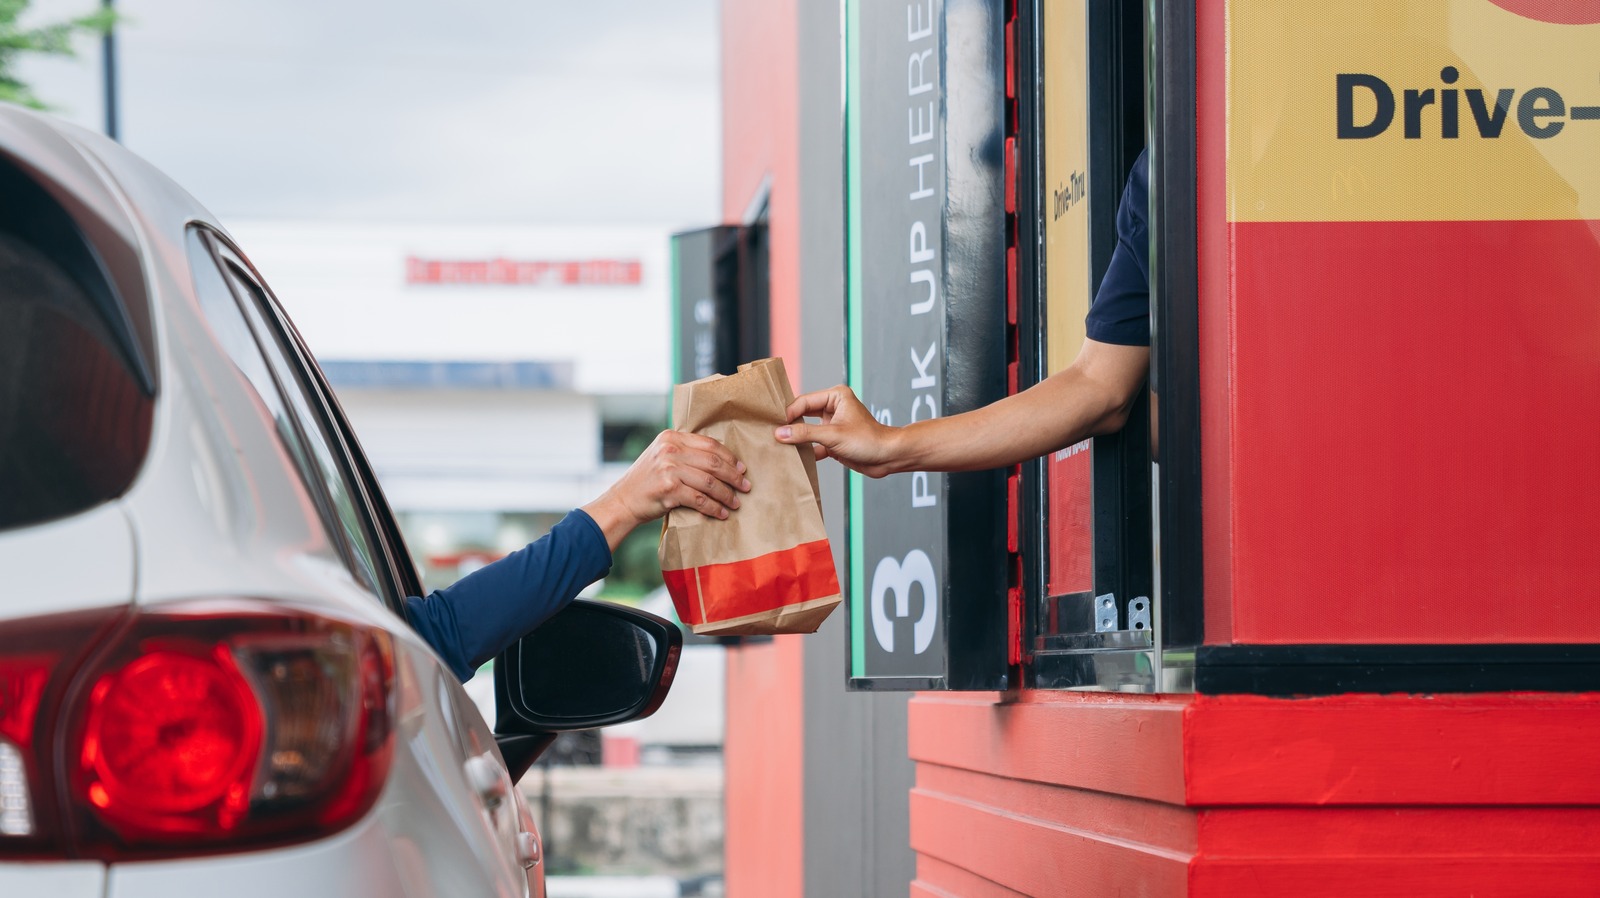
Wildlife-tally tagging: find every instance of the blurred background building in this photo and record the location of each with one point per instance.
(498, 376)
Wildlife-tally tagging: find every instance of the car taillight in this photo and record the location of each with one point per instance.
(37, 659)
(22, 682)
(170, 744)
(211, 726)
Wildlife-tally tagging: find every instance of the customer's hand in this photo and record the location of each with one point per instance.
(847, 432)
(679, 469)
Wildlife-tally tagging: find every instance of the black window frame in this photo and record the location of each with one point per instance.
(1062, 647)
(1175, 340)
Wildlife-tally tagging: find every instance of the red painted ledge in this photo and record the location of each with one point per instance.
(1483, 749)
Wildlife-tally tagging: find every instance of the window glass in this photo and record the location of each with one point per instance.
(76, 392)
(347, 504)
(385, 528)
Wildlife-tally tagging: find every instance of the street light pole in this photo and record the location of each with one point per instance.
(108, 46)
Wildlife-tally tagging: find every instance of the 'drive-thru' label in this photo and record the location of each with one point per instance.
(1432, 110)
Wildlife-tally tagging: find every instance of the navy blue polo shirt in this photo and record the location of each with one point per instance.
(1120, 312)
(483, 613)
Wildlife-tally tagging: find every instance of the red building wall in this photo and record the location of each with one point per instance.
(760, 142)
(763, 744)
(1400, 343)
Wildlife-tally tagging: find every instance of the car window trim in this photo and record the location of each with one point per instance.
(382, 513)
(378, 526)
(227, 258)
(314, 486)
(388, 586)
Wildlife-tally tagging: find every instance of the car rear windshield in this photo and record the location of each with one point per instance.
(75, 410)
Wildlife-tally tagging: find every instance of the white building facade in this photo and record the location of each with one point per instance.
(497, 377)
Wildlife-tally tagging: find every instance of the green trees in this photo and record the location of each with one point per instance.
(54, 38)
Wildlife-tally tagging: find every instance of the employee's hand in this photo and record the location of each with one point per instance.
(679, 469)
(847, 433)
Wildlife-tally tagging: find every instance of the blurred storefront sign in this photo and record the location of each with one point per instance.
(525, 272)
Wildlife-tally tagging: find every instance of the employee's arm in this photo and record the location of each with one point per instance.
(1092, 396)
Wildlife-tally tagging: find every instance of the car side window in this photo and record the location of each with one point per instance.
(228, 324)
(231, 302)
(384, 526)
(340, 490)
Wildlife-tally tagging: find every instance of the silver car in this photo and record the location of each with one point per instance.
(207, 683)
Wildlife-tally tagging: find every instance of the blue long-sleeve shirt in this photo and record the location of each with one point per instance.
(483, 613)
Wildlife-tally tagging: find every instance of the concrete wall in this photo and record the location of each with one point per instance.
(632, 821)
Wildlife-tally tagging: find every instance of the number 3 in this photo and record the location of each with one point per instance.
(898, 577)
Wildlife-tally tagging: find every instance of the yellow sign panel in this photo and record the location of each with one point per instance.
(1066, 179)
(1410, 110)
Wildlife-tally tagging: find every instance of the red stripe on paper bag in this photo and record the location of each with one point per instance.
(716, 592)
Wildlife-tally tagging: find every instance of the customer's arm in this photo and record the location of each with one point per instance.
(478, 616)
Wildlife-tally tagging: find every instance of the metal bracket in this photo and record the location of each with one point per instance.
(1139, 613)
(1105, 613)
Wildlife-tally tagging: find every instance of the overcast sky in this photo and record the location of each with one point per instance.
(483, 111)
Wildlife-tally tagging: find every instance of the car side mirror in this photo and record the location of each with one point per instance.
(594, 664)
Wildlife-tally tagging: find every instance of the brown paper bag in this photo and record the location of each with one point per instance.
(768, 568)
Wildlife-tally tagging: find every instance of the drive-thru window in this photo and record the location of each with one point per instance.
(982, 186)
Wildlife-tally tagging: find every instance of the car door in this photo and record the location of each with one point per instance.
(378, 554)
